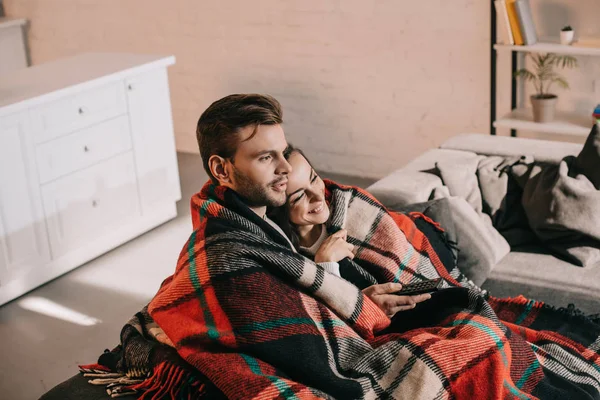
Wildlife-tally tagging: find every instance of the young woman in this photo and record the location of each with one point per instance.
(303, 219)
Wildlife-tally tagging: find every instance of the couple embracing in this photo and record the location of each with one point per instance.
(287, 287)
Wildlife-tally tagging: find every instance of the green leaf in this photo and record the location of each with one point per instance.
(526, 74)
(562, 82)
(544, 75)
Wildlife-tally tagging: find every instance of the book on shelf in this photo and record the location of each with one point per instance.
(514, 21)
(506, 36)
(526, 24)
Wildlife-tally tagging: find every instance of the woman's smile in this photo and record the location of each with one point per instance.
(318, 209)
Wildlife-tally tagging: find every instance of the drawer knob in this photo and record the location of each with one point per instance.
(130, 87)
(81, 111)
(86, 149)
(94, 203)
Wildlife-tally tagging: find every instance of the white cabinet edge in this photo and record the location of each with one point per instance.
(6, 22)
(76, 88)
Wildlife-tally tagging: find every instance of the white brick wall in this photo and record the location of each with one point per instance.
(366, 85)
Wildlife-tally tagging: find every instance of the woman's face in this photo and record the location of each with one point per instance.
(306, 194)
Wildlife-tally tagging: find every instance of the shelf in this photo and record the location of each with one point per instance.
(564, 123)
(541, 47)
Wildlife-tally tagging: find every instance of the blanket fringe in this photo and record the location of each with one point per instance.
(415, 214)
(166, 381)
(170, 381)
(570, 311)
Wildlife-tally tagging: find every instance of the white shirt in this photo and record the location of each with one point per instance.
(330, 266)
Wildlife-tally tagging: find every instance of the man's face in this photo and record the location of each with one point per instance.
(259, 170)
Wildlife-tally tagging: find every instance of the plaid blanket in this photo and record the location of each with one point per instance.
(244, 316)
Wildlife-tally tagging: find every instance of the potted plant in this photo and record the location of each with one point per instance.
(544, 76)
(566, 35)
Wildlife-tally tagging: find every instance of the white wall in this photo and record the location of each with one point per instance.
(366, 85)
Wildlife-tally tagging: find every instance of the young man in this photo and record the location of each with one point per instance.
(242, 143)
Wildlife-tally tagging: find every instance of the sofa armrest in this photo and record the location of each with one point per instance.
(404, 187)
(542, 150)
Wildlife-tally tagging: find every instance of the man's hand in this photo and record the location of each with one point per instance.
(335, 248)
(383, 295)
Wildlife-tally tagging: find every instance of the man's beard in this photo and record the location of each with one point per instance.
(254, 194)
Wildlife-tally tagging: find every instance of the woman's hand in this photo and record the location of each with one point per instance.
(383, 295)
(335, 248)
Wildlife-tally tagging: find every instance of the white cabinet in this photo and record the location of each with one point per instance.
(89, 204)
(13, 53)
(149, 111)
(87, 162)
(76, 111)
(86, 147)
(23, 242)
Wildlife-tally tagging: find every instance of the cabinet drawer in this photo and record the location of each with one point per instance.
(73, 112)
(87, 205)
(83, 148)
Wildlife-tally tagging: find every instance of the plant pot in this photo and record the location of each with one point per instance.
(566, 37)
(543, 107)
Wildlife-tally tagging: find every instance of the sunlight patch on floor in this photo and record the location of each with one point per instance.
(51, 309)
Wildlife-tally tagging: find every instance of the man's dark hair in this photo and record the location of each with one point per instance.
(219, 125)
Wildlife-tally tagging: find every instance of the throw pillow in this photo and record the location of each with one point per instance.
(588, 161)
(563, 209)
(461, 179)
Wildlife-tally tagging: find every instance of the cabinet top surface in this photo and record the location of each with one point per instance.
(7, 22)
(42, 79)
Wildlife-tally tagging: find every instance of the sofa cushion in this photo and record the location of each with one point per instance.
(541, 276)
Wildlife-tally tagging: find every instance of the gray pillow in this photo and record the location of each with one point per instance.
(460, 177)
(563, 209)
(588, 161)
(479, 245)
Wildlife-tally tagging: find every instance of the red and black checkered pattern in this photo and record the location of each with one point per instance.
(260, 321)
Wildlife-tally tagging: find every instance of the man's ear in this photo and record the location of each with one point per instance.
(218, 168)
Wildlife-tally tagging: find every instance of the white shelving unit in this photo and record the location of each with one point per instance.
(575, 49)
(565, 123)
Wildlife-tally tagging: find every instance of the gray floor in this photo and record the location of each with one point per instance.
(40, 351)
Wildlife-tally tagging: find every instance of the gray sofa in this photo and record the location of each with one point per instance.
(528, 270)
